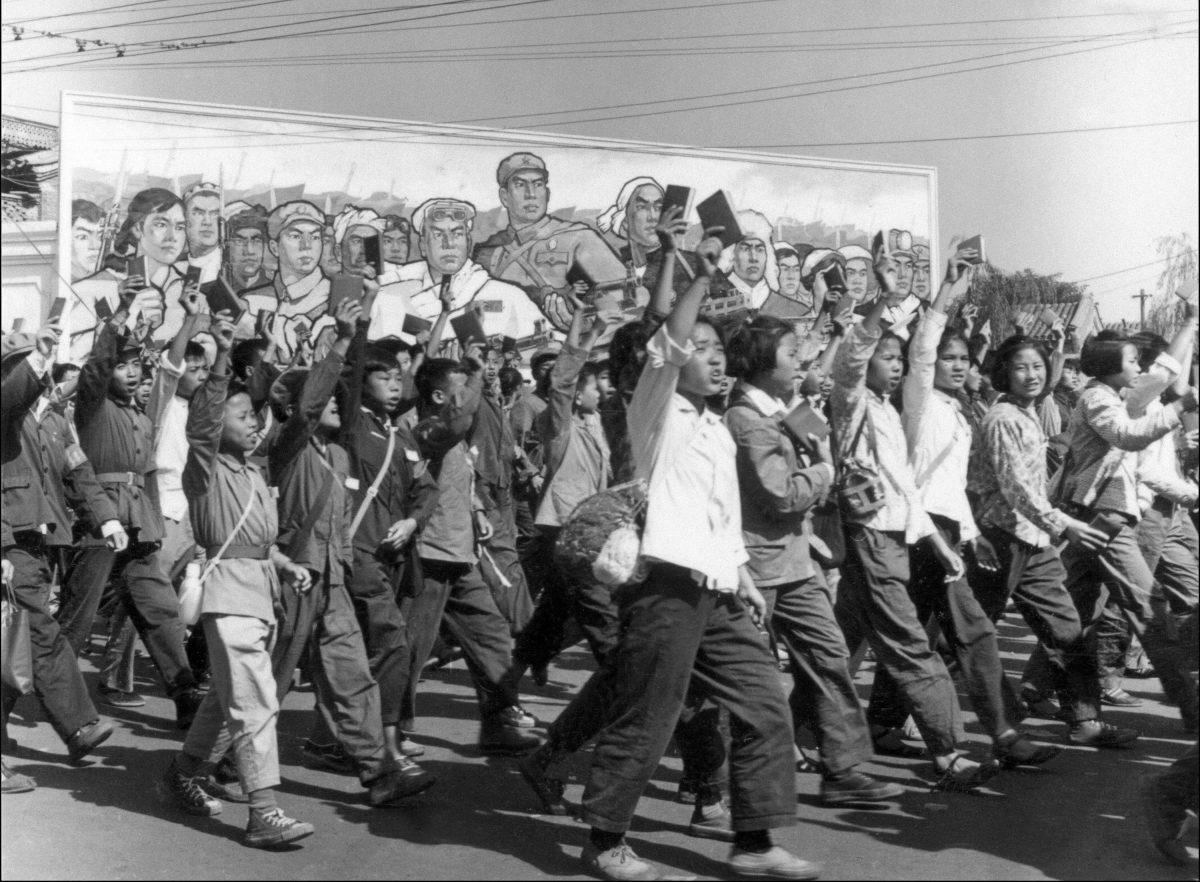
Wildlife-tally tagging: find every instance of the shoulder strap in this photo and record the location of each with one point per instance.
(314, 511)
(216, 559)
(373, 490)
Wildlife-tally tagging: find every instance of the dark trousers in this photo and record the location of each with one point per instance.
(457, 594)
(56, 679)
(566, 596)
(1036, 581)
(322, 623)
(383, 628)
(675, 632)
(968, 634)
(501, 566)
(1119, 572)
(147, 596)
(874, 605)
(823, 697)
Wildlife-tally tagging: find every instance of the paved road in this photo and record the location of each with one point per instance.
(1076, 819)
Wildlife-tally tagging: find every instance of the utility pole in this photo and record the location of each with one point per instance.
(1142, 297)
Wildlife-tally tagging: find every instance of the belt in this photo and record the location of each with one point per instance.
(240, 552)
(131, 479)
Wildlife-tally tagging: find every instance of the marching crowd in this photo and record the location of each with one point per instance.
(707, 492)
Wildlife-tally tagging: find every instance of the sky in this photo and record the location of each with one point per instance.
(788, 76)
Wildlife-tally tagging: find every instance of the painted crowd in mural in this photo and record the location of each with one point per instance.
(281, 265)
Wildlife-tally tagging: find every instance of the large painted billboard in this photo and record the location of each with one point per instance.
(281, 210)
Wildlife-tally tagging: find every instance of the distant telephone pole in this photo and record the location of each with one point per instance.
(1142, 297)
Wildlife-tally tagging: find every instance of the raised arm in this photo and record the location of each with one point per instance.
(23, 385)
(1110, 419)
(318, 388)
(671, 226)
(206, 414)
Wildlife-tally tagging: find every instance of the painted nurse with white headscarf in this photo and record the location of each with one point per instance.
(749, 264)
(629, 224)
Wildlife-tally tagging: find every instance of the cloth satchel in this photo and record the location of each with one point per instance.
(860, 486)
(17, 645)
(603, 535)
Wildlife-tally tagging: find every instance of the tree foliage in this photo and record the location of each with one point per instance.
(1179, 255)
(19, 178)
(1000, 295)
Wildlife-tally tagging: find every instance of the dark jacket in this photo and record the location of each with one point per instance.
(27, 485)
(777, 494)
(310, 479)
(117, 438)
(403, 493)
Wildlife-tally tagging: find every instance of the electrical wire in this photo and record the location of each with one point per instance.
(1178, 122)
(741, 93)
(456, 56)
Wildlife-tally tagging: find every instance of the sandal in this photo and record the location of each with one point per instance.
(964, 780)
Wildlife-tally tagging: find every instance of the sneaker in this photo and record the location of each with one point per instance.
(712, 822)
(88, 739)
(229, 791)
(515, 716)
(119, 697)
(204, 683)
(186, 793)
(410, 748)
(497, 739)
(776, 863)
(549, 790)
(1038, 704)
(618, 862)
(1094, 733)
(1023, 752)
(187, 703)
(15, 782)
(404, 780)
(327, 757)
(1119, 698)
(855, 786)
(274, 828)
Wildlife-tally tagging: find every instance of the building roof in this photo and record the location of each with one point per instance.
(25, 134)
(1081, 319)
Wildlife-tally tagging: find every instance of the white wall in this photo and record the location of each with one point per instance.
(30, 282)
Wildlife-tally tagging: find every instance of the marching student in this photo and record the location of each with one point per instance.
(777, 495)
(234, 520)
(316, 509)
(884, 516)
(939, 442)
(1099, 485)
(577, 466)
(35, 523)
(117, 439)
(1007, 475)
(688, 620)
(453, 589)
(393, 501)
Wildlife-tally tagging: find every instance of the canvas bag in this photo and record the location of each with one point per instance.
(17, 645)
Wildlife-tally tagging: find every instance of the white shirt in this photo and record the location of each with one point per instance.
(757, 295)
(882, 442)
(693, 513)
(171, 448)
(507, 310)
(939, 436)
(210, 266)
(307, 301)
(1158, 471)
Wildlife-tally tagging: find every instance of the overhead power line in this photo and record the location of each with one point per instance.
(376, 27)
(1149, 125)
(742, 96)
